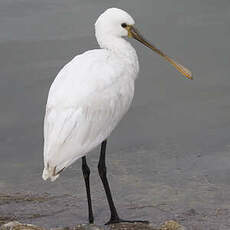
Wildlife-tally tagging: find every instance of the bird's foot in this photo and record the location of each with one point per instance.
(118, 220)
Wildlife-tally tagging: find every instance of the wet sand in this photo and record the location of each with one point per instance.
(168, 159)
(170, 193)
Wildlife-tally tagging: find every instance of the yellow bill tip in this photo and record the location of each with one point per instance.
(183, 70)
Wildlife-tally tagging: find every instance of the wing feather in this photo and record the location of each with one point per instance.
(81, 113)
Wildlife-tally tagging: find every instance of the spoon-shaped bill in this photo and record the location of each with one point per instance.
(132, 32)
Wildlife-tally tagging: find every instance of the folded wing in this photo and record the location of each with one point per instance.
(79, 116)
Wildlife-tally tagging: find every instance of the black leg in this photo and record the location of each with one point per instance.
(102, 172)
(86, 173)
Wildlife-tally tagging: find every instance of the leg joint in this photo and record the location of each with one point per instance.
(102, 170)
(85, 170)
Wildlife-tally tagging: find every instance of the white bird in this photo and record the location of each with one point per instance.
(89, 97)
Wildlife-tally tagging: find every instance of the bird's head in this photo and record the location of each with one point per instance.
(118, 23)
(114, 22)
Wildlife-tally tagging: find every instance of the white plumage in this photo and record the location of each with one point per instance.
(90, 95)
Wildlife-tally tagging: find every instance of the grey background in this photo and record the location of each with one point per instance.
(168, 156)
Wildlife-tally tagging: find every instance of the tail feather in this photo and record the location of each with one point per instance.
(50, 172)
(52, 169)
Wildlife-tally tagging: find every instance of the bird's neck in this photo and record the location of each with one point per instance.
(121, 48)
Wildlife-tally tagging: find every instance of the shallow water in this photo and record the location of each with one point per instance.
(170, 153)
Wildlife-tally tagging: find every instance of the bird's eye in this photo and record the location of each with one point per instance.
(124, 25)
